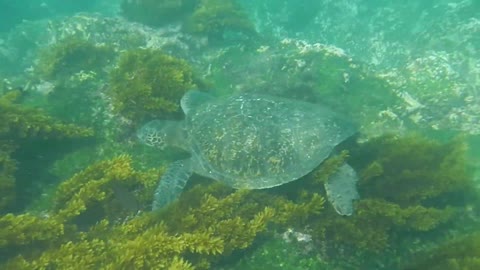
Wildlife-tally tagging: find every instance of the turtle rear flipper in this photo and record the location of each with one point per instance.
(172, 183)
(341, 190)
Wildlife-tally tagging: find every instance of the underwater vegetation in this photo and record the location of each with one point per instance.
(7, 178)
(19, 126)
(462, 253)
(214, 19)
(409, 184)
(100, 217)
(412, 174)
(71, 55)
(217, 18)
(415, 192)
(19, 122)
(148, 83)
(157, 12)
(92, 192)
(77, 196)
(281, 253)
(315, 73)
(85, 224)
(68, 72)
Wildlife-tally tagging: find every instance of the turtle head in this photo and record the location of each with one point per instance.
(160, 133)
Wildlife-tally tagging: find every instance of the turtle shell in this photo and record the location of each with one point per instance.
(257, 141)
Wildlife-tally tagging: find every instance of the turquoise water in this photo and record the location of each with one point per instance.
(80, 78)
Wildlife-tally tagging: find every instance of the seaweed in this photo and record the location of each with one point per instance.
(208, 222)
(72, 55)
(211, 222)
(461, 252)
(149, 84)
(21, 129)
(157, 12)
(408, 186)
(217, 19)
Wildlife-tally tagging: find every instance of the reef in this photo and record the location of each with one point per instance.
(101, 218)
(313, 72)
(280, 252)
(7, 179)
(410, 186)
(22, 126)
(86, 224)
(149, 84)
(20, 122)
(157, 12)
(415, 192)
(66, 80)
(72, 55)
(216, 19)
(458, 253)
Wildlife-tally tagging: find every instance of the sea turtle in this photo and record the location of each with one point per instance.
(251, 141)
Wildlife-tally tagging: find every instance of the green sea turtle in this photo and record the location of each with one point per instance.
(251, 141)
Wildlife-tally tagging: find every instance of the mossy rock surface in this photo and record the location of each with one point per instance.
(149, 84)
(157, 12)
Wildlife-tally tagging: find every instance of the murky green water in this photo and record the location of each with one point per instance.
(78, 179)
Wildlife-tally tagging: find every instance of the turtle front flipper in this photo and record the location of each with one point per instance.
(172, 183)
(341, 190)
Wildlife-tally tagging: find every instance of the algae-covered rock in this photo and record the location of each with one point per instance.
(217, 19)
(313, 72)
(72, 55)
(459, 253)
(149, 83)
(410, 186)
(7, 178)
(157, 12)
(24, 129)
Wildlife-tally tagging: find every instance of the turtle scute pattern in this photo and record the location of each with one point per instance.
(255, 141)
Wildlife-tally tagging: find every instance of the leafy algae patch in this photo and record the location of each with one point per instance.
(149, 84)
(22, 126)
(211, 223)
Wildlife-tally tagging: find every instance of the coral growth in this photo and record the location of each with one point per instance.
(149, 84)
